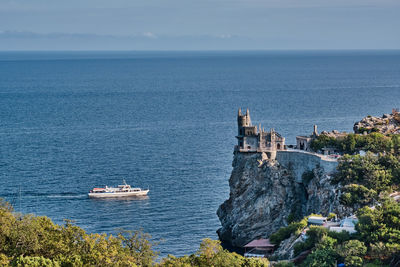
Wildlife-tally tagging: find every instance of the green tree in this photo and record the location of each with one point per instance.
(352, 251)
(139, 245)
(29, 261)
(321, 258)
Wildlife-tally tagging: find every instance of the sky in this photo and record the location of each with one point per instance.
(199, 24)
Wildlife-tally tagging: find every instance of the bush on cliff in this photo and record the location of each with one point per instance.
(355, 194)
(352, 143)
(315, 235)
(212, 254)
(285, 232)
(377, 240)
(373, 172)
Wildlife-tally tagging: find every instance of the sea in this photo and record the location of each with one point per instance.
(71, 121)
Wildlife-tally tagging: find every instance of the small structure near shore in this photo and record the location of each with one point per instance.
(259, 248)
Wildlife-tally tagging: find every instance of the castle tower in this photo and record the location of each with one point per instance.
(243, 121)
(315, 132)
(272, 136)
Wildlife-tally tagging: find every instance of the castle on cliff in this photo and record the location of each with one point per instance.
(253, 139)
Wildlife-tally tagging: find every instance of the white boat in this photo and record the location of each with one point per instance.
(124, 190)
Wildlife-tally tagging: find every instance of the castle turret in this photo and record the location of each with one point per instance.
(315, 132)
(243, 121)
(248, 118)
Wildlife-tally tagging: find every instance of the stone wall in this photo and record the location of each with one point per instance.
(300, 161)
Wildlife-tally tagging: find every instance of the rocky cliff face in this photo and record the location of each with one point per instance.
(387, 124)
(263, 194)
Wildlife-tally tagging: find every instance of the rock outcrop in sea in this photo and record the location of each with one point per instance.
(265, 193)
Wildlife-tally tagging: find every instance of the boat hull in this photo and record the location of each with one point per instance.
(122, 194)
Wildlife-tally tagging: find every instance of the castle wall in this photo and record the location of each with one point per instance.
(250, 141)
(300, 161)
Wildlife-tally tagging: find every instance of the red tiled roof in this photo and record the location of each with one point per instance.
(260, 243)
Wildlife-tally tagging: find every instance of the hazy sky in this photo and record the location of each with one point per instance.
(199, 24)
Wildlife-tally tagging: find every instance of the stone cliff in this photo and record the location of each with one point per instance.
(264, 193)
(387, 124)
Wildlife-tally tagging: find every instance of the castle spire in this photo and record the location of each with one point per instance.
(240, 112)
(315, 132)
(248, 120)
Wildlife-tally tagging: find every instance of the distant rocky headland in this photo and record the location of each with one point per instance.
(273, 184)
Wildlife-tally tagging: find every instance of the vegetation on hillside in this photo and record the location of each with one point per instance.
(353, 143)
(376, 243)
(27, 240)
(366, 182)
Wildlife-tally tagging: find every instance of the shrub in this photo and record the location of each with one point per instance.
(357, 194)
(284, 264)
(340, 236)
(285, 232)
(321, 258)
(28, 261)
(211, 253)
(302, 246)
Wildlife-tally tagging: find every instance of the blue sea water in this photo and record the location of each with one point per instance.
(70, 121)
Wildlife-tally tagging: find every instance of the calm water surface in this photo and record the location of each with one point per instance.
(72, 121)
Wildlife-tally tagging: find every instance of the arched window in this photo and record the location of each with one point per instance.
(278, 146)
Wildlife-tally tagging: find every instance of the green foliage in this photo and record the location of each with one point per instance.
(365, 177)
(376, 263)
(321, 258)
(4, 260)
(36, 241)
(316, 233)
(285, 232)
(211, 253)
(379, 229)
(29, 261)
(353, 261)
(284, 264)
(324, 141)
(352, 143)
(354, 194)
(365, 180)
(302, 246)
(139, 246)
(316, 236)
(340, 237)
(352, 251)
